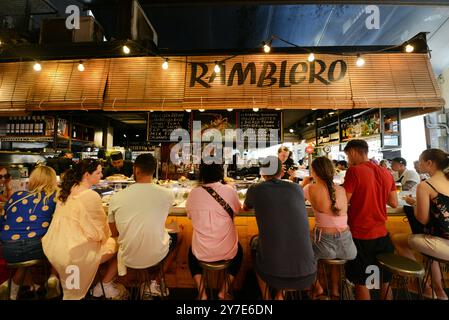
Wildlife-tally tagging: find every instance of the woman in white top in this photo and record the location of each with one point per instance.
(79, 239)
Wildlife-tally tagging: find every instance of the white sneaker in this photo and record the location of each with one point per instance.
(112, 290)
(155, 289)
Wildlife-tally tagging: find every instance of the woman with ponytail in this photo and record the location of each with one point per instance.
(332, 238)
(79, 239)
(431, 210)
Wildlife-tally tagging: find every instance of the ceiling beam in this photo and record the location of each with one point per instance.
(293, 2)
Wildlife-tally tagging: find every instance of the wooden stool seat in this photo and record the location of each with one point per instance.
(220, 267)
(142, 283)
(27, 266)
(345, 292)
(400, 265)
(402, 268)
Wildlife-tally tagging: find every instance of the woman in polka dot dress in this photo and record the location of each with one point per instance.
(27, 217)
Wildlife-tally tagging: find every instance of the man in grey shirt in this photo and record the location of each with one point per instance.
(283, 255)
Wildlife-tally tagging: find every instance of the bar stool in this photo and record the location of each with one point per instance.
(402, 269)
(323, 266)
(428, 261)
(142, 281)
(27, 266)
(218, 268)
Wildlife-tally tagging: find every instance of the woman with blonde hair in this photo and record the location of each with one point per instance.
(28, 215)
(79, 238)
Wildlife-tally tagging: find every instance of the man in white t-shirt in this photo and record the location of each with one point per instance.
(137, 216)
(407, 178)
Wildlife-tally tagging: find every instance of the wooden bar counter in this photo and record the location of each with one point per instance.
(178, 274)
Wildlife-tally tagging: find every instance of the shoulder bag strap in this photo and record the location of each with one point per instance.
(220, 200)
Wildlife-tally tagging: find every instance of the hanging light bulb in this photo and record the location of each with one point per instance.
(201, 110)
(255, 109)
(188, 110)
(126, 49)
(165, 64)
(291, 130)
(360, 61)
(266, 48)
(37, 66)
(311, 57)
(277, 109)
(229, 109)
(81, 67)
(217, 67)
(409, 48)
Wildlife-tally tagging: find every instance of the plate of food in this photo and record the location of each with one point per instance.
(118, 178)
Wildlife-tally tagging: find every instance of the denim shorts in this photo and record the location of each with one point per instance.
(334, 246)
(22, 250)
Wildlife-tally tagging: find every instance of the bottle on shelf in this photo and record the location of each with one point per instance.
(8, 126)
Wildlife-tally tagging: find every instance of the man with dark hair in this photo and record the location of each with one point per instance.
(407, 178)
(118, 166)
(369, 188)
(137, 216)
(282, 253)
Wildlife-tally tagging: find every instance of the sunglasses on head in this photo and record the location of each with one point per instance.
(5, 176)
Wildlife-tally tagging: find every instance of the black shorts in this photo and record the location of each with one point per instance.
(173, 241)
(367, 250)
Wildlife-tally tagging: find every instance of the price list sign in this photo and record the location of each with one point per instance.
(261, 122)
(162, 124)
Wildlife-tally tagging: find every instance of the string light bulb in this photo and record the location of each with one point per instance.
(126, 49)
(409, 48)
(37, 67)
(165, 64)
(81, 67)
(360, 61)
(217, 67)
(266, 48)
(311, 57)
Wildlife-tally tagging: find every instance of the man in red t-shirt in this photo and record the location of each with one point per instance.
(369, 189)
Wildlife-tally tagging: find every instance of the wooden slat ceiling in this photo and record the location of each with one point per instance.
(139, 83)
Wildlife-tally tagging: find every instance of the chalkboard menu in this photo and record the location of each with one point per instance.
(261, 120)
(162, 125)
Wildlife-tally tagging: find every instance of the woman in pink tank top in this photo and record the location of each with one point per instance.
(332, 238)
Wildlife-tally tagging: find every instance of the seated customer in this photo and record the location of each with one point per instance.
(79, 239)
(283, 255)
(119, 166)
(137, 217)
(27, 217)
(430, 210)
(5, 185)
(214, 234)
(408, 178)
(332, 238)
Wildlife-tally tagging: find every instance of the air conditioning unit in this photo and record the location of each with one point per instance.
(55, 31)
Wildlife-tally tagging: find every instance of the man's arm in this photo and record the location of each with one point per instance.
(113, 229)
(393, 199)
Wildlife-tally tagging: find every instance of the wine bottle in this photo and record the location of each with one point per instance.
(8, 126)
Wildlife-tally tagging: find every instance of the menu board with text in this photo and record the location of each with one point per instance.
(162, 124)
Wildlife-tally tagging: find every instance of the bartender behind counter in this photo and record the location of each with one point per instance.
(285, 155)
(119, 166)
